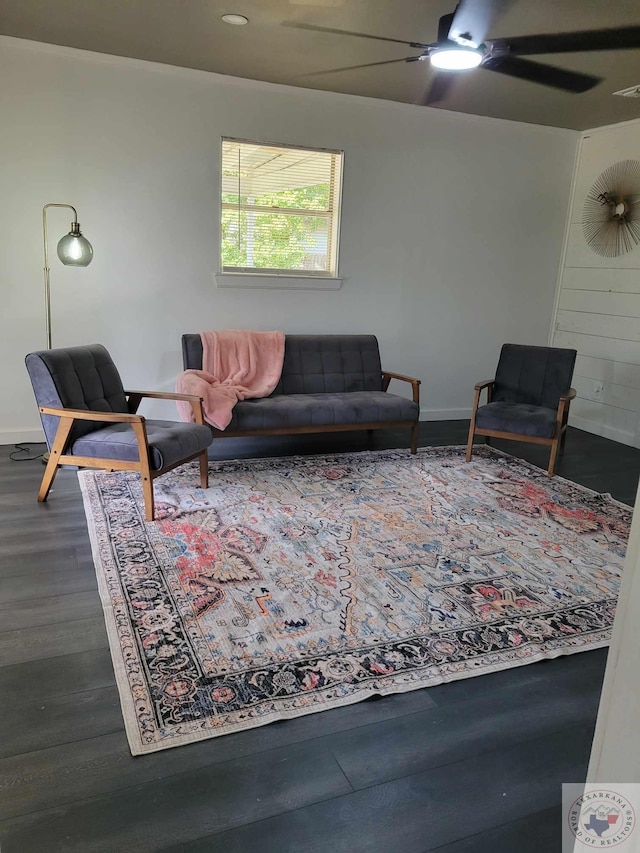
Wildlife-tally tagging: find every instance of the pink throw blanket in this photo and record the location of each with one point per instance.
(236, 365)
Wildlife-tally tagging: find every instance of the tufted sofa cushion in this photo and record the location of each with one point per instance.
(315, 364)
(290, 411)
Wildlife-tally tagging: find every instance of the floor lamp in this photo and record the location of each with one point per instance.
(74, 250)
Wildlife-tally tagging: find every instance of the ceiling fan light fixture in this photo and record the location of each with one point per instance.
(456, 58)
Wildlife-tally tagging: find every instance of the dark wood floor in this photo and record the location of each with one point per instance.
(470, 767)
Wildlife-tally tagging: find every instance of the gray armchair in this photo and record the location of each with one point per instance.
(528, 400)
(89, 420)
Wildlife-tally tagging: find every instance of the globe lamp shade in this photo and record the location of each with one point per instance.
(74, 250)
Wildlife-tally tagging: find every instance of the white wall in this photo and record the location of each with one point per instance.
(599, 305)
(452, 225)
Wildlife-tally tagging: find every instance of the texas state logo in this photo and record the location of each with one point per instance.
(601, 819)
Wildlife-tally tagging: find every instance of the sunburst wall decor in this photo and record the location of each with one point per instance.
(611, 214)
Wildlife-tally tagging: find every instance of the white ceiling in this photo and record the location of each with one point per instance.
(190, 33)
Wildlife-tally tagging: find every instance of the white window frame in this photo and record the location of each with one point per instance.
(278, 278)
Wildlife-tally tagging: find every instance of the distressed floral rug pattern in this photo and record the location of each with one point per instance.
(300, 584)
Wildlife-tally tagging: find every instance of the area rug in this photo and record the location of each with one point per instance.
(300, 584)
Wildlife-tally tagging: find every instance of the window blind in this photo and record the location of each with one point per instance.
(280, 209)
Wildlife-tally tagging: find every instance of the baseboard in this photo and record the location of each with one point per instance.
(604, 430)
(445, 414)
(14, 436)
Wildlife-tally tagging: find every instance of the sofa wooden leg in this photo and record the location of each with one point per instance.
(414, 437)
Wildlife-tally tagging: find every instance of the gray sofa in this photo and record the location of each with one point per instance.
(328, 383)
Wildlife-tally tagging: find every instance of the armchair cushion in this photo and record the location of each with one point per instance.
(538, 376)
(169, 442)
(76, 378)
(520, 418)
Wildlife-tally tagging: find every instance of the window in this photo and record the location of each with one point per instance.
(280, 209)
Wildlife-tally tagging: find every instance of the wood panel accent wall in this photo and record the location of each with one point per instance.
(598, 306)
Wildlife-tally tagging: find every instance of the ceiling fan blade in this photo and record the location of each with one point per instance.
(619, 38)
(536, 72)
(473, 18)
(440, 87)
(301, 26)
(353, 67)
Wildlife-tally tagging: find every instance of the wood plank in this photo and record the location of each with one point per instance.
(45, 584)
(375, 754)
(626, 351)
(91, 767)
(595, 302)
(411, 815)
(531, 834)
(610, 280)
(623, 421)
(62, 719)
(544, 674)
(49, 537)
(535, 833)
(37, 680)
(145, 816)
(583, 323)
(34, 557)
(608, 371)
(52, 640)
(619, 396)
(33, 612)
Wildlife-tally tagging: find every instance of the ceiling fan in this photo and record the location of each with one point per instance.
(462, 44)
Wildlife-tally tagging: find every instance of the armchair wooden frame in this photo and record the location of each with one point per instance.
(58, 457)
(387, 376)
(555, 442)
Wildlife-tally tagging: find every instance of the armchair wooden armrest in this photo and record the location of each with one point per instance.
(86, 415)
(563, 407)
(570, 395)
(478, 388)
(135, 398)
(67, 418)
(387, 376)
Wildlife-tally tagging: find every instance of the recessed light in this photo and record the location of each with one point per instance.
(237, 20)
